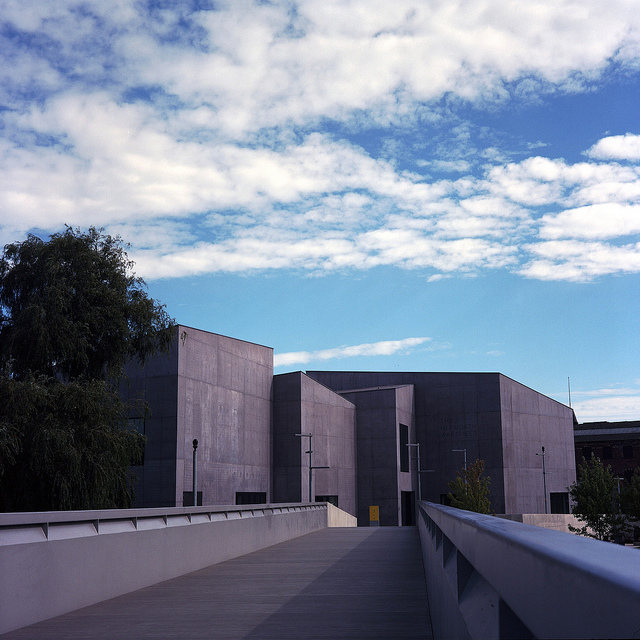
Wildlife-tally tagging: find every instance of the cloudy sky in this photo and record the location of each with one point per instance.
(445, 185)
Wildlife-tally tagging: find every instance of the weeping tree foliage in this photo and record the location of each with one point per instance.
(72, 314)
(470, 489)
(596, 500)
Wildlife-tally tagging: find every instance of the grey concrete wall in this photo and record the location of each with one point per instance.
(157, 383)
(491, 578)
(378, 415)
(224, 401)
(288, 462)
(452, 411)
(531, 421)
(302, 405)
(52, 563)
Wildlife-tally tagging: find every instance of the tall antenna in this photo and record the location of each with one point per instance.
(569, 385)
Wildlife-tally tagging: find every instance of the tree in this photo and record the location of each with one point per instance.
(470, 490)
(630, 498)
(72, 314)
(72, 307)
(596, 500)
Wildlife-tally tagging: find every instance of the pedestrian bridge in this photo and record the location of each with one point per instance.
(303, 571)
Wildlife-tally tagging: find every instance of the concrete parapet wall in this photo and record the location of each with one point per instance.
(555, 521)
(339, 518)
(489, 577)
(55, 562)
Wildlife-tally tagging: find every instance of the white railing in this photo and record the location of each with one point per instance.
(492, 578)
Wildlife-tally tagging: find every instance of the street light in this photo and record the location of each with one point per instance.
(544, 478)
(311, 467)
(195, 474)
(465, 458)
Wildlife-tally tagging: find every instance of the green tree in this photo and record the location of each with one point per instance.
(72, 314)
(630, 498)
(596, 500)
(470, 489)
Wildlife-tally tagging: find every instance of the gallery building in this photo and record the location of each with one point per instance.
(255, 431)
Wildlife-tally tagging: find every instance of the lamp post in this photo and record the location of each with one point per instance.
(544, 478)
(417, 445)
(195, 473)
(311, 467)
(465, 459)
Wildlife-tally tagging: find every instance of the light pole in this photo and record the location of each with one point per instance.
(311, 467)
(465, 466)
(417, 445)
(544, 478)
(465, 460)
(195, 474)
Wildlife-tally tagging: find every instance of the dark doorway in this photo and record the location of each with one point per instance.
(187, 499)
(251, 497)
(408, 510)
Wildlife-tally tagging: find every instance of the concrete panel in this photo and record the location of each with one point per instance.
(552, 593)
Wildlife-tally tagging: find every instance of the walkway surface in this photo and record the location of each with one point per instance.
(334, 583)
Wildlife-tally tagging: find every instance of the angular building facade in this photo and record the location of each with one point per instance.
(253, 431)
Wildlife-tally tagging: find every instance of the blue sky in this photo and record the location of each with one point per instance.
(425, 186)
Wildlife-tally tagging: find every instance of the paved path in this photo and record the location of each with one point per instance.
(334, 583)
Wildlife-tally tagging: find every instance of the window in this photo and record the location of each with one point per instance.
(607, 453)
(251, 497)
(586, 453)
(559, 502)
(332, 499)
(444, 499)
(187, 498)
(627, 451)
(404, 450)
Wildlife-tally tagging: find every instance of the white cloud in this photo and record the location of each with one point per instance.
(625, 147)
(383, 348)
(579, 261)
(152, 123)
(596, 221)
(611, 405)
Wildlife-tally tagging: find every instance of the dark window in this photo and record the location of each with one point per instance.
(187, 498)
(251, 497)
(627, 451)
(408, 512)
(404, 450)
(627, 474)
(559, 502)
(332, 499)
(607, 453)
(444, 499)
(586, 453)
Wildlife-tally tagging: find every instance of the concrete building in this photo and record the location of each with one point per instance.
(483, 416)
(253, 432)
(217, 390)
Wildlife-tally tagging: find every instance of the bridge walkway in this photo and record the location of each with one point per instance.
(334, 583)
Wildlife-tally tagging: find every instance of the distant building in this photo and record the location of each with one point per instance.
(253, 433)
(616, 443)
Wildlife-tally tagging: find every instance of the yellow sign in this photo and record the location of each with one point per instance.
(374, 514)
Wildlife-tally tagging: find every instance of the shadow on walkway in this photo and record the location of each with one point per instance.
(334, 583)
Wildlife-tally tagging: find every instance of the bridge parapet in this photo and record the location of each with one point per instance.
(492, 578)
(55, 562)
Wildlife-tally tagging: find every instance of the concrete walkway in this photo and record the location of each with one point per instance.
(334, 583)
